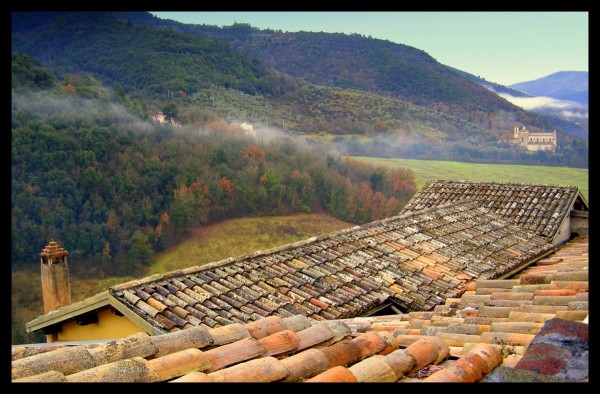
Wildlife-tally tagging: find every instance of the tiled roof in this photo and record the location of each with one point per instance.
(272, 349)
(539, 208)
(416, 260)
(504, 313)
(462, 341)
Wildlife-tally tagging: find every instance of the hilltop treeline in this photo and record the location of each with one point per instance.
(147, 61)
(113, 189)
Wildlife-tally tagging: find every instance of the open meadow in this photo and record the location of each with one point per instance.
(425, 170)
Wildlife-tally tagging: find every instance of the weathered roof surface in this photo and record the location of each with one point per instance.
(272, 349)
(463, 341)
(504, 313)
(539, 208)
(416, 260)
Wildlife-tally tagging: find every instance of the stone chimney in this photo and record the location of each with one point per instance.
(56, 288)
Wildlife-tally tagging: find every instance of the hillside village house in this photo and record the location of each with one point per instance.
(414, 261)
(534, 141)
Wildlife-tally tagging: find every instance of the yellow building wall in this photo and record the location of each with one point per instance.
(109, 326)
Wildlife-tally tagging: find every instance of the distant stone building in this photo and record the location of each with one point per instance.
(245, 128)
(534, 141)
(160, 118)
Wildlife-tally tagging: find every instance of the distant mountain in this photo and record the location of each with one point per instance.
(562, 85)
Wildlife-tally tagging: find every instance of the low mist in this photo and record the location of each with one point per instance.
(48, 106)
(564, 108)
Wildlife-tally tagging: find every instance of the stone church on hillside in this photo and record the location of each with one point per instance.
(534, 141)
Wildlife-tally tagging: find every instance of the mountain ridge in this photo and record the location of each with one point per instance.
(562, 85)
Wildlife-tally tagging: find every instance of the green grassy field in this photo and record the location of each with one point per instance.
(425, 170)
(236, 237)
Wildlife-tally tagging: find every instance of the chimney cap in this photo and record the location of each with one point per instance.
(53, 250)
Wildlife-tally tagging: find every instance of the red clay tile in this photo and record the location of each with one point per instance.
(46, 377)
(582, 296)
(370, 343)
(314, 335)
(506, 338)
(337, 374)
(233, 353)
(193, 377)
(373, 369)
(132, 370)
(490, 354)
(425, 351)
(280, 342)
(305, 365)
(170, 325)
(511, 296)
(195, 337)
(467, 369)
(342, 353)
(262, 370)
(543, 308)
(178, 364)
(536, 279)
(553, 300)
(297, 323)
(517, 316)
(401, 362)
(517, 327)
(455, 339)
(265, 327)
(153, 302)
(558, 292)
(404, 340)
(443, 348)
(229, 333)
(494, 311)
(572, 315)
(571, 276)
(573, 285)
(320, 304)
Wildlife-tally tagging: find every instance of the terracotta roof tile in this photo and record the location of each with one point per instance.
(281, 342)
(46, 377)
(132, 370)
(513, 206)
(233, 353)
(337, 374)
(66, 360)
(305, 365)
(178, 364)
(262, 370)
(373, 369)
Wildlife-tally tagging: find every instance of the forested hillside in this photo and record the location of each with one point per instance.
(143, 60)
(115, 188)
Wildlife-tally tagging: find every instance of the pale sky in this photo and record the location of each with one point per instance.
(502, 47)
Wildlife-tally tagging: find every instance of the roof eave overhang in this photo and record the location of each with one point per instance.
(583, 200)
(94, 303)
(567, 215)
